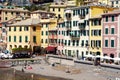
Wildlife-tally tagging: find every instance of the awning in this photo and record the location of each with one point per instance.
(50, 48)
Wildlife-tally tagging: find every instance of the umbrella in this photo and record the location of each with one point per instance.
(106, 57)
(116, 58)
(98, 56)
(89, 55)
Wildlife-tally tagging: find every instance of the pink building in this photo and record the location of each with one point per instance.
(60, 40)
(111, 34)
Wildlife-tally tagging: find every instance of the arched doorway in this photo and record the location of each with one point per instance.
(97, 53)
(112, 55)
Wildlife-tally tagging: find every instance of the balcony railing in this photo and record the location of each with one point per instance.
(82, 16)
(75, 35)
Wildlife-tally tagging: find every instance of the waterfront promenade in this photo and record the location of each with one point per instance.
(87, 72)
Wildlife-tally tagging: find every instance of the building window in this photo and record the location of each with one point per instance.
(9, 28)
(20, 28)
(106, 30)
(41, 40)
(112, 30)
(68, 42)
(14, 38)
(26, 28)
(73, 23)
(116, 2)
(106, 18)
(46, 32)
(106, 43)
(5, 12)
(112, 43)
(112, 3)
(14, 28)
(46, 25)
(82, 44)
(73, 42)
(5, 18)
(9, 38)
(77, 44)
(26, 38)
(113, 18)
(11, 13)
(53, 9)
(34, 39)
(59, 9)
(46, 41)
(34, 28)
(42, 33)
(20, 38)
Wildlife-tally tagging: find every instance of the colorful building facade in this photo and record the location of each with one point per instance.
(23, 34)
(8, 13)
(77, 37)
(111, 34)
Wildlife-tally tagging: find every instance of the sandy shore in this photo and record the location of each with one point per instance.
(86, 72)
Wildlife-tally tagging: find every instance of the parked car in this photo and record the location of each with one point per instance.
(5, 56)
(21, 55)
(2, 55)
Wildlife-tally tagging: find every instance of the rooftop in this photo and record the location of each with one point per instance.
(112, 13)
(30, 21)
(92, 4)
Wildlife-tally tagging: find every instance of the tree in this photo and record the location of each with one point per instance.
(34, 7)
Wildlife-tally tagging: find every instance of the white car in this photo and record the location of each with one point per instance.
(3, 55)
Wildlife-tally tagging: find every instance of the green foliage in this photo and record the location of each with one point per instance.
(21, 49)
(34, 7)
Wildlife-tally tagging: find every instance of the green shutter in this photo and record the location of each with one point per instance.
(26, 38)
(106, 43)
(106, 18)
(20, 38)
(113, 18)
(14, 38)
(112, 31)
(9, 38)
(106, 30)
(112, 43)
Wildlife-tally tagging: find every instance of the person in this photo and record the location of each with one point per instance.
(29, 67)
(23, 70)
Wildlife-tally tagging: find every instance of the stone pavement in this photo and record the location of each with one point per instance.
(87, 72)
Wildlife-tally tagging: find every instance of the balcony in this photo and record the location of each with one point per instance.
(82, 16)
(74, 34)
(68, 16)
(82, 25)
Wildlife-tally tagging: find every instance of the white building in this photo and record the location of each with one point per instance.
(77, 31)
(115, 3)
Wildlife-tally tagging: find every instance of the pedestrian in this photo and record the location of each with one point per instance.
(23, 70)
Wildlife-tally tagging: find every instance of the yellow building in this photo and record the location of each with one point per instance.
(95, 35)
(85, 2)
(24, 34)
(47, 21)
(59, 7)
(104, 1)
(95, 28)
(9, 13)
